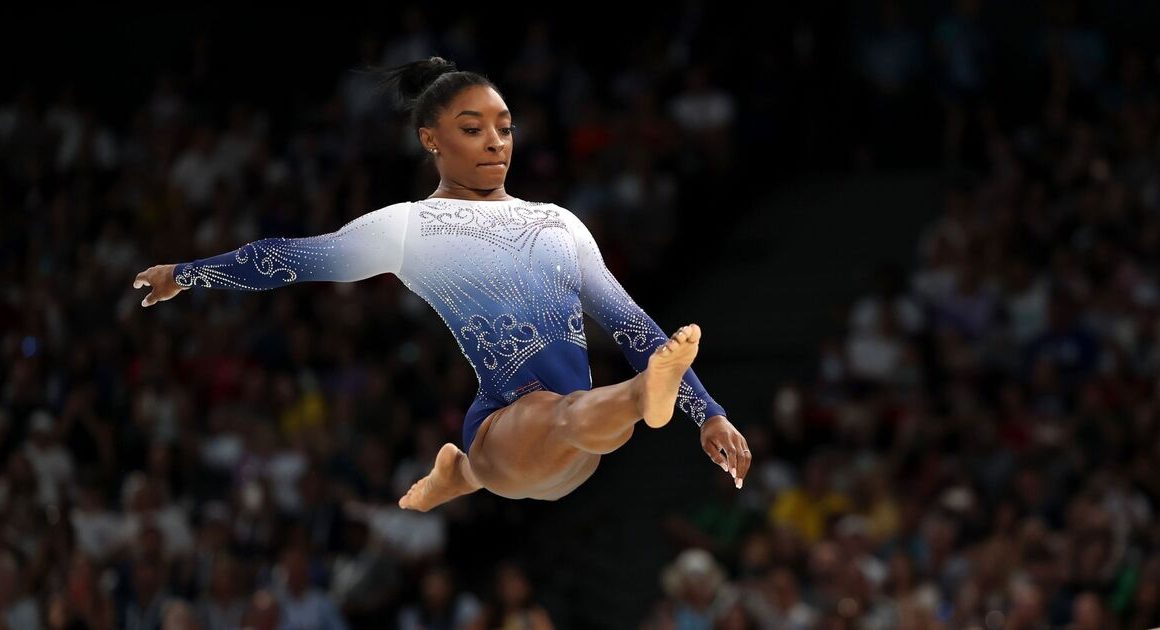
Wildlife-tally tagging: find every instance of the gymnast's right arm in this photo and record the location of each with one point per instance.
(367, 246)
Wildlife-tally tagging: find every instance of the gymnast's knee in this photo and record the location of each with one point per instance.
(565, 408)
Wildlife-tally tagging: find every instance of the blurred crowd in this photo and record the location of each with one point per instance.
(229, 459)
(976, 448)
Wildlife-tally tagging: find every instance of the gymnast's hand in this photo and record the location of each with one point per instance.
(160, 278)
(725, 445)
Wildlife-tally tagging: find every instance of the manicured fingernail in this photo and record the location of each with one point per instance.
(733, 471)
(739, 482)
(725, 467)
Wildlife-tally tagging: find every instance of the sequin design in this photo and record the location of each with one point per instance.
(505, 337)
(275, 258)
(632, 330)
(503, 276)
(369, 245)
(691, 404)
(512, 280)
(637, 335)
(193, 276)
(272, 258)
(576, 326)
(638, 338)
(513, 227)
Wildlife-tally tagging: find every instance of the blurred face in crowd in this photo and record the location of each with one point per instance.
(817, 481)
(262, 613)
(437, 589)
(756, 553)
(784, 588)
(150, 541)
(81, 581)
(825, 561)
(146, 580)
(222, 581)
(297, 567)
(472, 141)
(1087, 612)
(901, 573)
(1027, 604)
(179, 616)
(514, 589)
(698, 593)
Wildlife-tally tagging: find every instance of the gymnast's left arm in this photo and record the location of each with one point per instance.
(605, 300)
(367, 246)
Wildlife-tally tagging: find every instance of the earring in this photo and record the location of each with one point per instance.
(435, 151)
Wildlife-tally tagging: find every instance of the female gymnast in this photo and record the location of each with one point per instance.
(512, 279)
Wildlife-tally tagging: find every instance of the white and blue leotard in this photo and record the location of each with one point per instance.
(511, 279)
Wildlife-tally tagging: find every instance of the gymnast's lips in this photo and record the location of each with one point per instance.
(492, 164)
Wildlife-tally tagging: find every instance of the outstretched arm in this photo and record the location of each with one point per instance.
(605, 300)
(365, 247)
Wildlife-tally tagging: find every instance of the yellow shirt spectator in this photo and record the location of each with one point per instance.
(807, 513)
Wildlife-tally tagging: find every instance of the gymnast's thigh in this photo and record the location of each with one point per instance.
(520, 452)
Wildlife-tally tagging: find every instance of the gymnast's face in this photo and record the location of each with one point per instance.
(472, 141)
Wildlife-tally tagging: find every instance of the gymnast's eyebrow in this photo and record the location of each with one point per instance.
(472, 112)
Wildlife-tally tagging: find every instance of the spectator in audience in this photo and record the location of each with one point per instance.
(977, 441)
(17, 608)
(512, 603)
(303, 605)
(441, 605)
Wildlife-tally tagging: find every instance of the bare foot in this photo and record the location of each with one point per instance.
(661, 379)
(451, 477)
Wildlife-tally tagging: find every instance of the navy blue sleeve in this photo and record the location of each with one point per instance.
(605, 300)
(367, 246)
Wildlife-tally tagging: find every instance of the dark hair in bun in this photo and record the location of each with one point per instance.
(427, 86)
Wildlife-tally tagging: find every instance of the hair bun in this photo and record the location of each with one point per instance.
(412, 78)
(425, 86)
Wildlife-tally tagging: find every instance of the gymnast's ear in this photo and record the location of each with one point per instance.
(427, 139)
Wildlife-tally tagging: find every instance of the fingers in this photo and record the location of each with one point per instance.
(724, 455)
(714, 453)
(744, 459)
(731, 455)
(155, 278)
(739, 456)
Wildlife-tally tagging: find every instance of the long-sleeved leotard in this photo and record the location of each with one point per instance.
(511, 279)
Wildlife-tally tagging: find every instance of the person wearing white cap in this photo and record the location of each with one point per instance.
(698, 589)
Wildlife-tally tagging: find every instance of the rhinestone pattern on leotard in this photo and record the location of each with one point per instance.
(511, 280)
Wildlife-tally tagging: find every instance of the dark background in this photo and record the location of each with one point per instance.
(852, 238)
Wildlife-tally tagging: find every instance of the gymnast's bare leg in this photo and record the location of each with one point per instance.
(545, 445)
